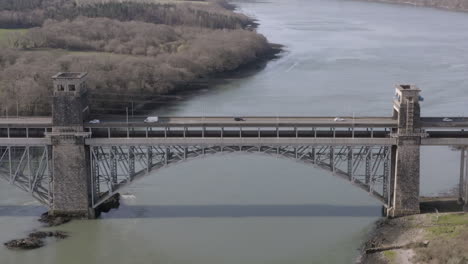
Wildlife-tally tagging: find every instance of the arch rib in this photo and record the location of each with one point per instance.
(115, 166)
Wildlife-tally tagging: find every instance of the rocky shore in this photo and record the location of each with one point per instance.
(34, 240)
(425, 238)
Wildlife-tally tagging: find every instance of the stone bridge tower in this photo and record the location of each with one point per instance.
(71, 164)
(404, 180)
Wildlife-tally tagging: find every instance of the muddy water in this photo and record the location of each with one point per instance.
(342, 57)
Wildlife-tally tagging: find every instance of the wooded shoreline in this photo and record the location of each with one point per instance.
(163, 51)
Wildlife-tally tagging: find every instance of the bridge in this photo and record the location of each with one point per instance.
(73, 166)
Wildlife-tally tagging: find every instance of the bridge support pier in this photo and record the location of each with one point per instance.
(404, 182)
(71, 167)
(405, 199)
(71, 184)
(464, 185)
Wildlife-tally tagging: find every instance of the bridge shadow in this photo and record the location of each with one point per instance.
(213, 211)
(22, 210)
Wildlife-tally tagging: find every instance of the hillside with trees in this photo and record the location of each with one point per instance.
(134, 47)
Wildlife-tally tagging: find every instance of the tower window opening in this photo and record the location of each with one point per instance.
(71, 88)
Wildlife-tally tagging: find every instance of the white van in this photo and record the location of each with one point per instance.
(151, 119)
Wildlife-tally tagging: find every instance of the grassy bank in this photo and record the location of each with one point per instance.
(5, 34)
(426, 238)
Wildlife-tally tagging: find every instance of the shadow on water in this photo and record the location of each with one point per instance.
(22, 210)
(209, 211)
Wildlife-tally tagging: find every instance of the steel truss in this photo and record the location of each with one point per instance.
(29, 168)
(112, 167)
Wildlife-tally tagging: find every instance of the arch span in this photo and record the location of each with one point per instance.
(115, 166)
(28, 168)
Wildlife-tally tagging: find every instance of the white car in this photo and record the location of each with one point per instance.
(446, 119)
(95, 121)
(151, 119)
(338, 119)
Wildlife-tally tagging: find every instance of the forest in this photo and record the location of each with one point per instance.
(136, 47)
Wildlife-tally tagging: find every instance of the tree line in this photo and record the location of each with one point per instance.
(131, 57)
(33, 13)
(150, 53)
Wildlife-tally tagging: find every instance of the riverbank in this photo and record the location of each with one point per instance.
(453, 5)
(147, 104)
(425, 238)
(159, 52)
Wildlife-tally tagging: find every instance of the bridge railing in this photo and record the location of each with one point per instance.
(238, 132)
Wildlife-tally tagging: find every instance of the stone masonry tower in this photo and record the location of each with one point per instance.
(406, 154)
(70, 156)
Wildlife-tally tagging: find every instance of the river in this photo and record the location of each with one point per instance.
(341, 58)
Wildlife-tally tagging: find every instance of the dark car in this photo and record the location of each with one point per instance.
(239, 119)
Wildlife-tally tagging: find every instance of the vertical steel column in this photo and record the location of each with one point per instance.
(96, 192)
(49, 171)
(149, 156)
(28, 162)
(167, 155)
(131, 157)
(113, 156)
(350, 163)
(332, 158)
(313, 155)
(368, 164)
(10, 164)
(386, 173)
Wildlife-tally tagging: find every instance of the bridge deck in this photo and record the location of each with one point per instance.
(312, 130)
(384, 122)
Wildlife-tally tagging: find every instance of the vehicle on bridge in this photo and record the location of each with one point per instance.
(151, 119)
(95, 121)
